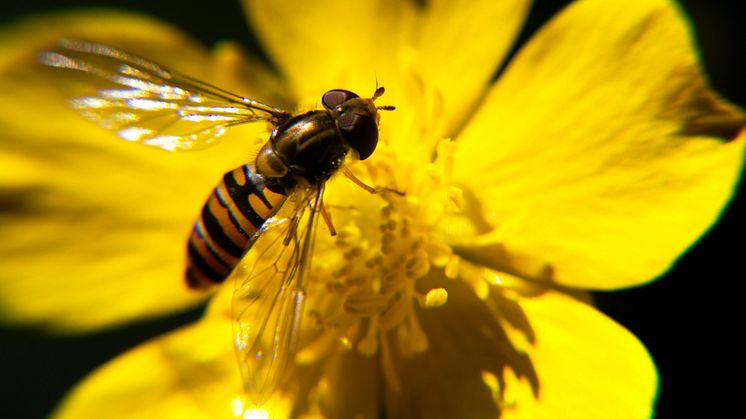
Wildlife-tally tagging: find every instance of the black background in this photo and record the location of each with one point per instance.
(689, 319)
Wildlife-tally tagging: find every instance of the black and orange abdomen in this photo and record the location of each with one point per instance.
(226, 228)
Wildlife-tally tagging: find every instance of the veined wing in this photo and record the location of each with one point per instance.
(270, 293)
(146, 103)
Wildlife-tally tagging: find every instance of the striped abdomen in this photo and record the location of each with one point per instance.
(225, 229)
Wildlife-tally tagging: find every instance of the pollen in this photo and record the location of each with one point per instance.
(373, 279)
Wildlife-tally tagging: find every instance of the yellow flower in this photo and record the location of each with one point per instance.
(594, 161)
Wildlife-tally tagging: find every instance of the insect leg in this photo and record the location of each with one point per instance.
(370, 189)
(291, 234)
(327, 219)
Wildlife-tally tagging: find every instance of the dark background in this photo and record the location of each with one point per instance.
(689, 319)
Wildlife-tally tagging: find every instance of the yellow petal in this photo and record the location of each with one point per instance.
(94, 228)
(354, 46)
(445, 381)
(190, 373)
(237, 71)
(587, 365)
(433, 60)
(601, 155)
(133, 32)
(545, 355)
(457, 48)
(334, 44)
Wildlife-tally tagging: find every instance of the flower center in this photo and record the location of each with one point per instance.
(367, 282)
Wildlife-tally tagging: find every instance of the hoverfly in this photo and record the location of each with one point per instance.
(267, 198)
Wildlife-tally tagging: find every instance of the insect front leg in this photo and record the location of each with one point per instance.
(370, 189)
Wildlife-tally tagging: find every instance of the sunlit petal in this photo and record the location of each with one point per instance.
(588, 366)
(457, 47)
(94, 227)
(188, 373)
(315, 47)
(601, 155)
(434, 59)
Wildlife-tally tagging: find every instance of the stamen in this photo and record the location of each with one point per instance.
(451, 269)
(388, 367)
(370, 287)
(417, 339)
(369, 344)
(347, 236)
(417, 266)
(365, 304)
(436, 297)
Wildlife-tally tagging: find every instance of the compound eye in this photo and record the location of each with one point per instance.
(360, 132)
(336, 97)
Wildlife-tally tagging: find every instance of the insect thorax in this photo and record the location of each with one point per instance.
(308, 147)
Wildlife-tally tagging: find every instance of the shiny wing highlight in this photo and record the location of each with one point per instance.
(146, 103)
(269, 296)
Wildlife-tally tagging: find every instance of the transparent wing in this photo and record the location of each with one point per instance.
(146, 103)
(269, 296)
